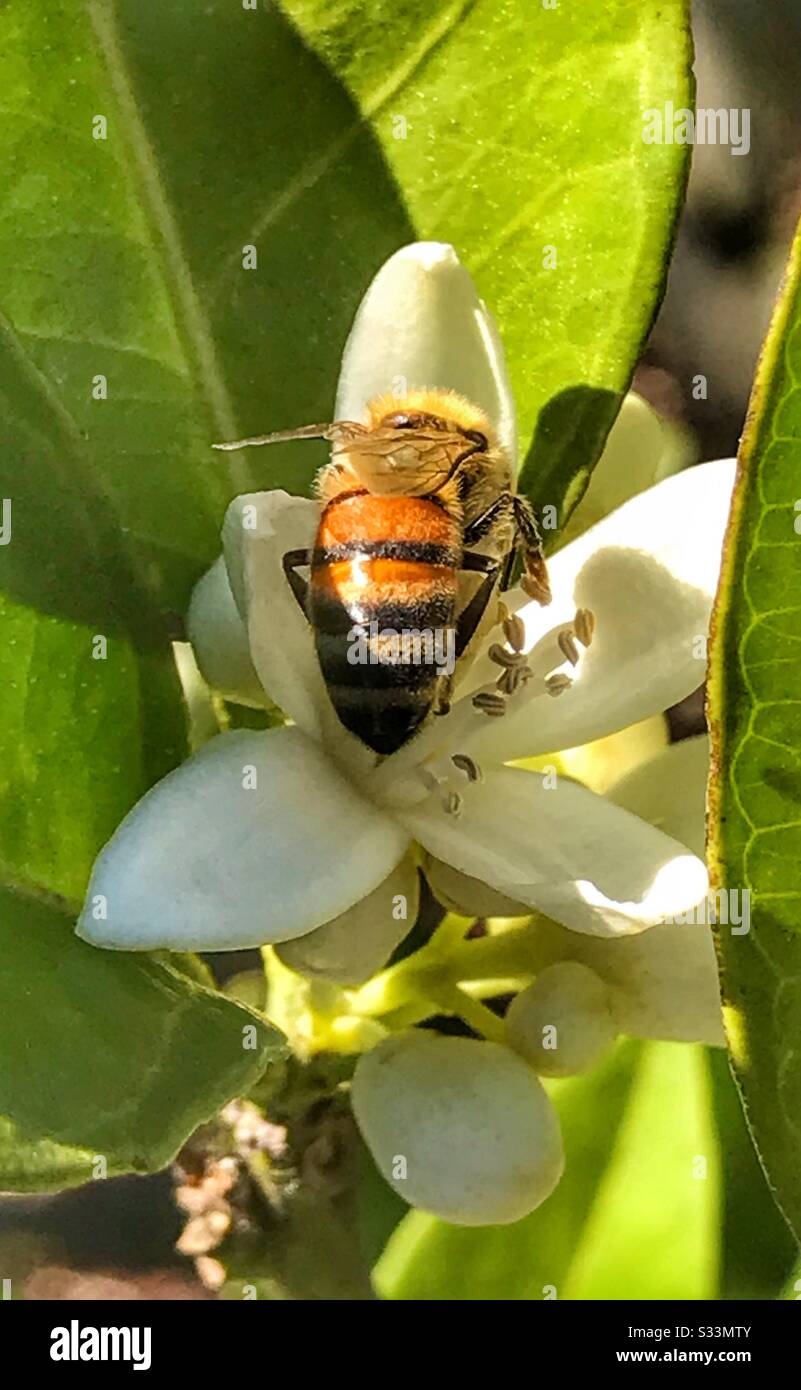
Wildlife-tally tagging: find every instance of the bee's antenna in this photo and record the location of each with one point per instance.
(329, 431)
(280, 437)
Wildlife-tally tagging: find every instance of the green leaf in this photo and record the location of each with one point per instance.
(428, 1259)
(757, 1250)
(630, 1218)
(653, 1232)
(513, 129)
(81, 739)
(755, 791)
(39, 1165)
(114, 1053)
(127, 256)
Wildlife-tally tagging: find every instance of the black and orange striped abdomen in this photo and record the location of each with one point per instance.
(384, 567)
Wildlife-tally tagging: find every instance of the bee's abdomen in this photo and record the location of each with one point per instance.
(386, 568)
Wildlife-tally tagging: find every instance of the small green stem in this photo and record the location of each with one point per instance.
(482, 1020)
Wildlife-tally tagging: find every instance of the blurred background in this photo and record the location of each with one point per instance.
(117, 1239)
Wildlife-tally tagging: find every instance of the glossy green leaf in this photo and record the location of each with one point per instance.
(117, 1054)
(755, 791)
(756, 1249)
(39, 1165)
(515, 131)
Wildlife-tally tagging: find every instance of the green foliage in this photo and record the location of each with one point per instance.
(115, 1052)
(754, 703)
(515, 132)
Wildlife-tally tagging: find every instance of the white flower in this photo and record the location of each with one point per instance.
(266, 836)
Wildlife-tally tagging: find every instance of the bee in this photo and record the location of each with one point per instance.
(419, 527)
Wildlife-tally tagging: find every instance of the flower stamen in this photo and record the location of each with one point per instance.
(584, 625)
(465, 764)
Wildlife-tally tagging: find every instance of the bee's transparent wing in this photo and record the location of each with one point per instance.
(402, 462)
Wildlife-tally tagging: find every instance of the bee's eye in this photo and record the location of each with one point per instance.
(403, 422)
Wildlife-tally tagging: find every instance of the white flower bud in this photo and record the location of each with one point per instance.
(355, 945)
(562, 1024)
(458, 1127)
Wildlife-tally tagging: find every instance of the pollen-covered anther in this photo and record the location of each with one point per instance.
(465, 764)
(513, 678)
(567, 645)
(584, 625)
(558, 683)
(514, 630)
(503, 658)
(488, 702)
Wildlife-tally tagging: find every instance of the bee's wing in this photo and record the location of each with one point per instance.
(401, 462)
(339, 430)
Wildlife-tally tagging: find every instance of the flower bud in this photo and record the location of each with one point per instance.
(352, 947)
(458, 1127)
(562, 1024)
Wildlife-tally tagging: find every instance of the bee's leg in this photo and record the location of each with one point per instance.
(471, 614)
(535, 581)
(498, 511)
(300, 587)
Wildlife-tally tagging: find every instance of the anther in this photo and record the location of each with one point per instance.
(567, 644)
(489, 703)
(558, 684)
(502, 657)
(514, 677)
(452, 804)
(514, 630)
(584, 625)
(471, 770)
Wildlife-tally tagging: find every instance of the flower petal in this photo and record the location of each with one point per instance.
(259, 529)
(669, 790)
(558, 847)
(354, 946)
(649, 573)
(642, 448)
(663, 983)
(250, 841)
(220, 641)
(421, 323)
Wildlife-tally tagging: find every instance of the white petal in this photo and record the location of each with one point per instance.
(663, 983)
(669, 790)
(666, 980)
(421, 323)
(564, 850)
(476, 1134)
(649, 573)
(466, 896)
(259, 529)
(641, 449)
(358, 943)
(219, 638)
(208, 861)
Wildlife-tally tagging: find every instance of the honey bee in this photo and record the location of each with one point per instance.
(419, 528)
